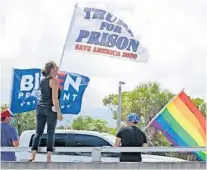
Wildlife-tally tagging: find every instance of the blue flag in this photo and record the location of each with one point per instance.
(72, 87)
(25, 89)
(25, 93)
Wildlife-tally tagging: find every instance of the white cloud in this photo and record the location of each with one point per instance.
(33, 32)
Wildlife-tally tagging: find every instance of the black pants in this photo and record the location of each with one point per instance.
(43, 116)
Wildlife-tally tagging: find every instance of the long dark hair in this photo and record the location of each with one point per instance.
(48, 67)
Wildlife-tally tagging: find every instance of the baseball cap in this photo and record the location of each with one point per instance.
(6, 113)
(133, 117)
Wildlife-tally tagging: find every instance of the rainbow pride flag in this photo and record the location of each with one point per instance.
(183, 124)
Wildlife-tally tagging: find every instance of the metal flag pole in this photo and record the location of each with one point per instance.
(69, 30)
(11, 89)
(149, 139)
(119, 110)
(162, 109)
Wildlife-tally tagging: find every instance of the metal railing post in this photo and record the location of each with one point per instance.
(96, 155)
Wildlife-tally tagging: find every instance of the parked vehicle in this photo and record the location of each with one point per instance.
(76, 138)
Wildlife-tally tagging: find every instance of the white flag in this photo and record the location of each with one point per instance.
(96, 30)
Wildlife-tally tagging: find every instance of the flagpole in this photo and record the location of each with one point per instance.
(162, 109)
(150, 140)
(64, 47)
(11, 89)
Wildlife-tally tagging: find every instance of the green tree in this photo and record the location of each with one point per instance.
(25, 121)
(4, 107)
(91, 124)
(146, 100)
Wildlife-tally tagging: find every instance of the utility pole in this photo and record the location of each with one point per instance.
(119, 110)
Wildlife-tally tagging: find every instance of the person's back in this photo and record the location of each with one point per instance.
(46, 93)
(9, 138)
(131, 136)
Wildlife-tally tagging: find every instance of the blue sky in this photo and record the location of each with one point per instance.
(174, 31)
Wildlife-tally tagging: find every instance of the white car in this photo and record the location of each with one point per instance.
(76, 138)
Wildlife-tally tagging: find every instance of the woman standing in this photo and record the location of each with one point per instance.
(50, 94)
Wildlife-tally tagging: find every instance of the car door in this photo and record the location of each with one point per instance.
(86, 140)
(72, 156)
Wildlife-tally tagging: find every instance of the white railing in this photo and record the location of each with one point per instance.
(96, 152)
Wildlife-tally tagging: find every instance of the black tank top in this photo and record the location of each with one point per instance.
(46, 93)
